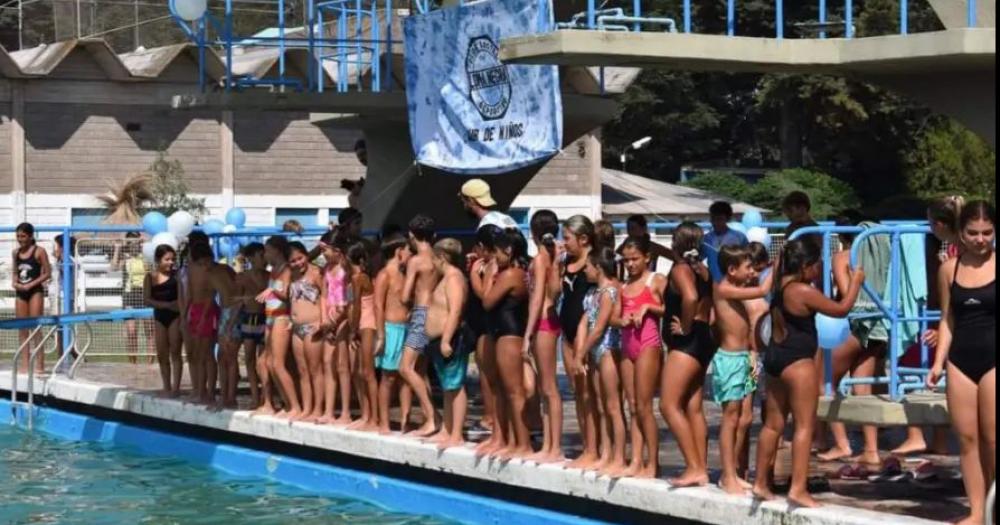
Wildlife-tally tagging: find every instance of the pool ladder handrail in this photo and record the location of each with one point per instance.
(991, 499)
(32, 354)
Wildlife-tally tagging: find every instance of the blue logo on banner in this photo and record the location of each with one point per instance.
(489, 83)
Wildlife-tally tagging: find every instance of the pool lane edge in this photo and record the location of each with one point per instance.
(548, 486)
(388, 493)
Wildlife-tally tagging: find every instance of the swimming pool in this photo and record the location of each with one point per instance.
(78, 469)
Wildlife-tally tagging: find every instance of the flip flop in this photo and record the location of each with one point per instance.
(892, 471)
(854, 472)
(925, 471)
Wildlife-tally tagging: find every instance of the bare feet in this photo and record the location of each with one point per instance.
(451, 443)
(266, 410)
(910, 446)
(762, 493)
(733, 485)
(970, 520)
(648, 472)
(690, 478)
(870, 459)
(440, 437)
(489, 447)
(426, 430)
(584, 462)
(341, 421)
(834, 454)
(802, 500)
(614, 470)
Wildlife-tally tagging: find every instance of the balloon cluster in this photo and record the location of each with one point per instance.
(172, 230)
(752, 226)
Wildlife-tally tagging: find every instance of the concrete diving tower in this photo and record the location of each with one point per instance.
(951, 71)
(349, 73)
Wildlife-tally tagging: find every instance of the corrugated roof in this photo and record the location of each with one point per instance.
(143, 64)
(627, 194)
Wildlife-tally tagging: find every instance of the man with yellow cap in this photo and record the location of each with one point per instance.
(479, 203)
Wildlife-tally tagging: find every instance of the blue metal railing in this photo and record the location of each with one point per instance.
(899, 379)
(591, 15)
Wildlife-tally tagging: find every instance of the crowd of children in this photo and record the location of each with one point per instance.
(350, 324)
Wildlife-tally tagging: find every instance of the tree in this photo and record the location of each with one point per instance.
(828, 194)
(950, 159)
(720, 183)
(169, 189)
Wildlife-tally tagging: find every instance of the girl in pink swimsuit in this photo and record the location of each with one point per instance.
(642, 349)
(336, 379)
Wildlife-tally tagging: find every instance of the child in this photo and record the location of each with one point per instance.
(364, 329)
(278, 323)
(642, 350)
(160, 292)
(690, 348)
(390, 318)
(307, 348)
(732, 366)
(450, 354)
(789, 363)
(421, 279)
(230, 336)
(755, 308)
(505, 299)
(250, 284)
(202, 320)
(336, 377)
(600, 340)
(542, 331)
(32, 271)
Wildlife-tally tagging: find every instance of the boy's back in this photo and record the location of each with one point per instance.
(395, 310)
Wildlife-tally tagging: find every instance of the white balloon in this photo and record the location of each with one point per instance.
(180, 223)
(229, 228)
(164, 238)
(190, 10)
(148, 251)
(760, 235)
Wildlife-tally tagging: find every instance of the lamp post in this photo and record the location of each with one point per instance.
(637, 145)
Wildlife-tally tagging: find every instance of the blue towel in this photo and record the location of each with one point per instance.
(913, 285)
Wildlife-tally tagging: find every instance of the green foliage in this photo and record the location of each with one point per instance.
(723, 184)
(170, 190)
(828, 194)
(948, 160)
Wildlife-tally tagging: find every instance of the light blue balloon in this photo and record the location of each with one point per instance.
(154, 222)
(229, 247)
(832, 332)
(213, 227)
(752, 219)
(237, 217)
(738, 226)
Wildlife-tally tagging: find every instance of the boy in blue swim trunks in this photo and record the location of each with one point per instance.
(732, 367)
(451, 339)
(391, 317)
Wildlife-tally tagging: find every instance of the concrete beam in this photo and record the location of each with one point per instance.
(940, 51)
(922, 409)
(955, 13)
(366, 102)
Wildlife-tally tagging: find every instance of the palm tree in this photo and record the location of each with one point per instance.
(125, 201)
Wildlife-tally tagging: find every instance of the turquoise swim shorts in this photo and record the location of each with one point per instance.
(395, 335)
(731, 376)
(451, 371)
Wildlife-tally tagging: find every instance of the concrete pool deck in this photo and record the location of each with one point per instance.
(120, 388)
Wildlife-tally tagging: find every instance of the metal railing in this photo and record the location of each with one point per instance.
(591, 18)
(51, 325)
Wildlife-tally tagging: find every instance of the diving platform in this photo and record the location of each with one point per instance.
(916, 409)
(951, 71)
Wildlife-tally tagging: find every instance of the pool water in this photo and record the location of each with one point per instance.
(46, 480)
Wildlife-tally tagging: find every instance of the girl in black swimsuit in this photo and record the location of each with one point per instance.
(788, 359)
(688, 303)
(967, 341)
(31, 271)
(578, 235)
(505, 299)
(160, 292)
